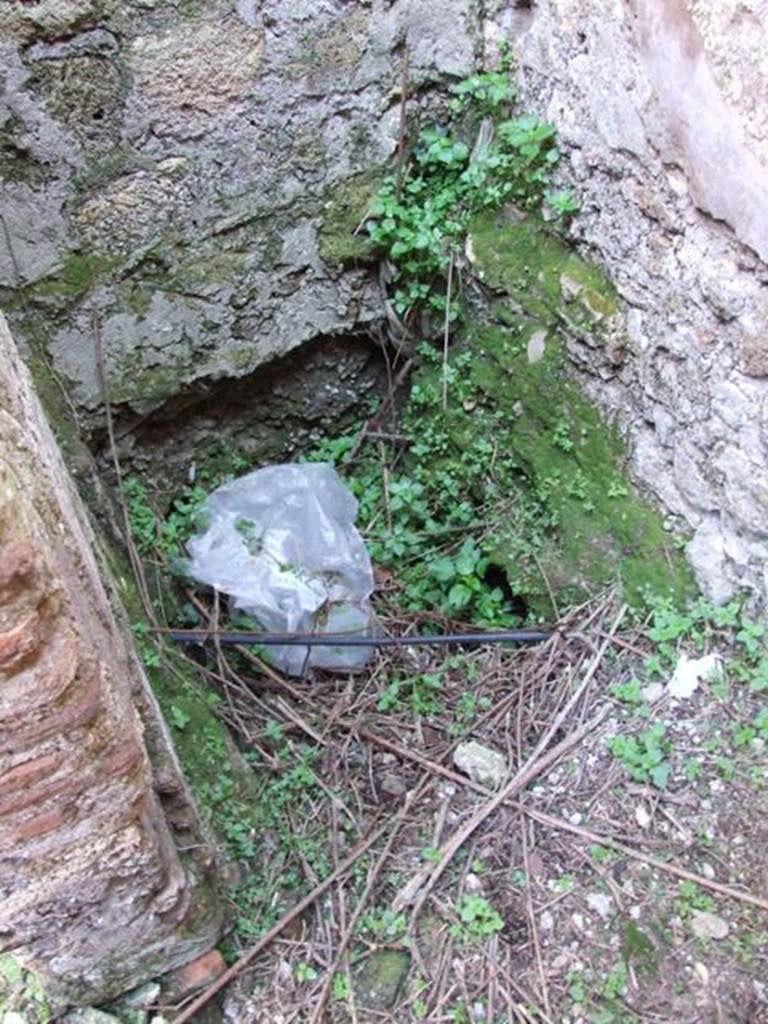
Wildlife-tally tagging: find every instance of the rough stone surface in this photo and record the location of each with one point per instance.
(177, 199)
(706, 925)
(661, 112)
(95, 895)
(378, 981)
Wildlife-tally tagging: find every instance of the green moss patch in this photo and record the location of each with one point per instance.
(575, 464)
(572, 460)
(535, 268)
(76, 276)
(341, 237)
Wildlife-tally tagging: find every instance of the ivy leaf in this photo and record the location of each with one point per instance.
(443, 569)
(660, 775)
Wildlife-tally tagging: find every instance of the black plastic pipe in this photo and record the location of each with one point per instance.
(201, 636)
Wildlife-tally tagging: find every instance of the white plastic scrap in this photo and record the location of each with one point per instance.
(689, 672)
(282, 544)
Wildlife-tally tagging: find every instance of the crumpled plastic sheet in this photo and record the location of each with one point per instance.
(281, 542)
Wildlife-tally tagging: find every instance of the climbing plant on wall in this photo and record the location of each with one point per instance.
(480, 160)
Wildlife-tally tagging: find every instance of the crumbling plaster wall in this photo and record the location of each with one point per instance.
(94, 894)
(661, 107)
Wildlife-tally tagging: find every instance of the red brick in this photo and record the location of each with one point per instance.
(195, 975)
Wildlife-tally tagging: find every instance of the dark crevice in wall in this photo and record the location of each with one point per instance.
(268, 415)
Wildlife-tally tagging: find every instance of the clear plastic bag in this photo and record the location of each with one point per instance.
(281, 542)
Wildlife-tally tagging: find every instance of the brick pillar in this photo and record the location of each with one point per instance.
(93, 893)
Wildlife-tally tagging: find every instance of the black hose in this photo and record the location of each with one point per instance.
(201, 636)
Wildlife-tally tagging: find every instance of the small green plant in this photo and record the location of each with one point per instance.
(304, 972)
(691, 897)
(488, 93)
(419, 220)
(564, 883)
(479, 920)
(617, 490)
(563, 203)
(561, 436)
(577, 988)
(602, 854)
(644, 755)
(630, 692)
(155, 533)
(383, 925)
(179, 717)
(421, 692)
(616, 981)
(22, 1000)
(340, 986)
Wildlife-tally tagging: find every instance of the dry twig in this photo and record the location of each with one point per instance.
(296, 911)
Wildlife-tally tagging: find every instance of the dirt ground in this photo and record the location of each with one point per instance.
(603, 880)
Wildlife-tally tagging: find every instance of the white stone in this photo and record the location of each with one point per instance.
(689, 672)
(652, 692)
(642, 817)
(706, 553)
(706, 925)
(481, 764)
(601, 903)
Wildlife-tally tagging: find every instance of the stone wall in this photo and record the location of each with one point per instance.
(95, 895)
(177, 170)
(190, 174)
(661, 106)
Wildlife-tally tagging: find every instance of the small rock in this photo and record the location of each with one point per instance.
(642, 817)
(546, 922)
(754, 356)
(706, 925)
(569, 287)
(689, 673)
(701, 973)
(393, 786)
(537, 346)
(142, 997)
(379, 979)
(481, 764)
(473, 883)
(652, 692)
(707, 870)
(600, 903)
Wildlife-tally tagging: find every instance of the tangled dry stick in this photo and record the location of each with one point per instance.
(418, 888)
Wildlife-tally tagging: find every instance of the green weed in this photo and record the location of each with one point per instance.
(691, 897)
(644, 755)
(22, 999)
(433, 520)
(383, 925)
(478, 918)
(420, 220)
